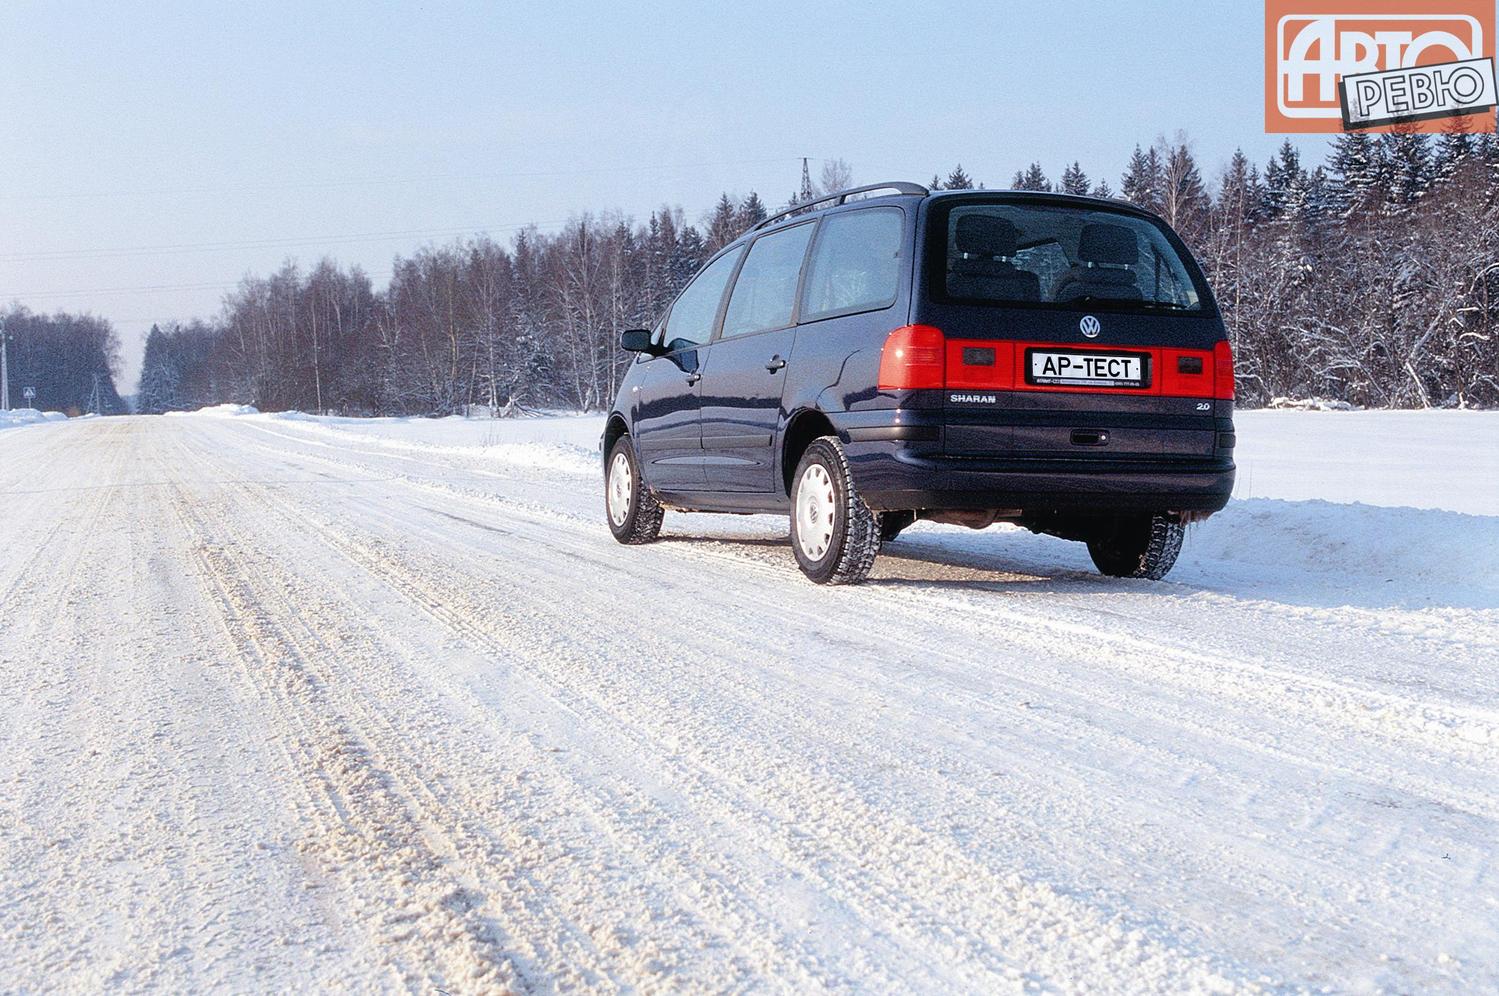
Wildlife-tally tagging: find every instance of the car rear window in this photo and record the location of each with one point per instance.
(855, 264)
(1060, 255)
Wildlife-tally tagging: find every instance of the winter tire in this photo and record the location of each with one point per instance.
(633, 514)
(1143, 546)
(834, 535)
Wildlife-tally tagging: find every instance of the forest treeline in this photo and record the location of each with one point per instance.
(69, 361)
(1370, 278)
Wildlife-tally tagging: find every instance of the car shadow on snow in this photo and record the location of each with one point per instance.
(1313, 554)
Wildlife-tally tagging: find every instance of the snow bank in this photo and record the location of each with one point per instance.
(222, 411)
(1415, 552)
(1412, 459)
(1330, 506)
(28, 416)
(567, 443)
(1312, 405)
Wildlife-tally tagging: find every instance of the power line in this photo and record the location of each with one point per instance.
(291, 242)
(147, 289)
(389, 181)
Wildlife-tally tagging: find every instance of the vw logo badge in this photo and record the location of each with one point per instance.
(1089, 327)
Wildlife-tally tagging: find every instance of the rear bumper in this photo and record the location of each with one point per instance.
(896, 474)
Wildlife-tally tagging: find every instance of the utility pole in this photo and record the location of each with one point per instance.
(4, 371)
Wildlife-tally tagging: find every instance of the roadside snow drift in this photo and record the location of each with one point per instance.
(28, 416)
(298, 702)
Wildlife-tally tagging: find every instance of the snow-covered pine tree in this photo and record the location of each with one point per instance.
(691, 252)
(1408, 154)
(1354, 171)
(1143, 178)
(751, 212)
(723, 225)
(1486, 154)
(1284, 179)
(1074, 180)
(1456, 149)
(958, 180)
(1033, 177)
(1184, 201)
(159, 375)
(1239, 191)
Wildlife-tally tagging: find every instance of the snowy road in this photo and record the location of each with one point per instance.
(289, 705)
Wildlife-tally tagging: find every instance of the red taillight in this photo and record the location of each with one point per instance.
(913, 358)
(1223, 371)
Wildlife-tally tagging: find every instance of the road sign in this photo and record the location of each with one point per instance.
(28, 393)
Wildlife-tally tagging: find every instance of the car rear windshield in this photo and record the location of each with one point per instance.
(1061, 255)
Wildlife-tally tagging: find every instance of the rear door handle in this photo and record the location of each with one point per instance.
(693, 378)
(775, 363)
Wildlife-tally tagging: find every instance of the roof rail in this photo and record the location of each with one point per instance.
(841, 196)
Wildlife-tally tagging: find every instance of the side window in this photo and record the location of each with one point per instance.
(691, 320)
(765, 293)
(856, 263)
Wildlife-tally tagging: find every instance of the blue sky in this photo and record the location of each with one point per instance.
(304, 129)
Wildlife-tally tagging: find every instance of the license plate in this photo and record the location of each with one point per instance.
(1075, 368)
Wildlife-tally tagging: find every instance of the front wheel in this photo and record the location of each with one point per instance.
(1143, 546)
(834, 535)
(633, 513)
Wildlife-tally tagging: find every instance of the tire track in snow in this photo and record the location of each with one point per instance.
(541, 924)
(1437, 728)
(445, 569)
(742, 920)
(891, 900)
(581, 540)
(364, 836)
(47, 602)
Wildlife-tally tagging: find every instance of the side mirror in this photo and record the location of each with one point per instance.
(636, 341)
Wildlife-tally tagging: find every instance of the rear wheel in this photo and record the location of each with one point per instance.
(834, 535)
(1143, 546)
(633, 513)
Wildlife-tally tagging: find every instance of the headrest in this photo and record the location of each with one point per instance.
(1101, 243)
(986, 235)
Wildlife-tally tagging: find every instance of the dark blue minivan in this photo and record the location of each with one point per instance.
(891, 354)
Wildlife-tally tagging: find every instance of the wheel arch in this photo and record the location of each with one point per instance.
(613, 430)
(802, 427)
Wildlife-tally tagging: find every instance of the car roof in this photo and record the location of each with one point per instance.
(1082, 200)
(902, 191)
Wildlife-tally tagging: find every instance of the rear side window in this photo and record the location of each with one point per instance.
(856, 263)
(692, 315)
(1064, 256)
(765, 292)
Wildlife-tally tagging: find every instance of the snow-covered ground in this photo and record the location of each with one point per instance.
(14, 417)
(315, 703)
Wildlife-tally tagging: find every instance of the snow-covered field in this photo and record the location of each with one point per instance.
(331, 703)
